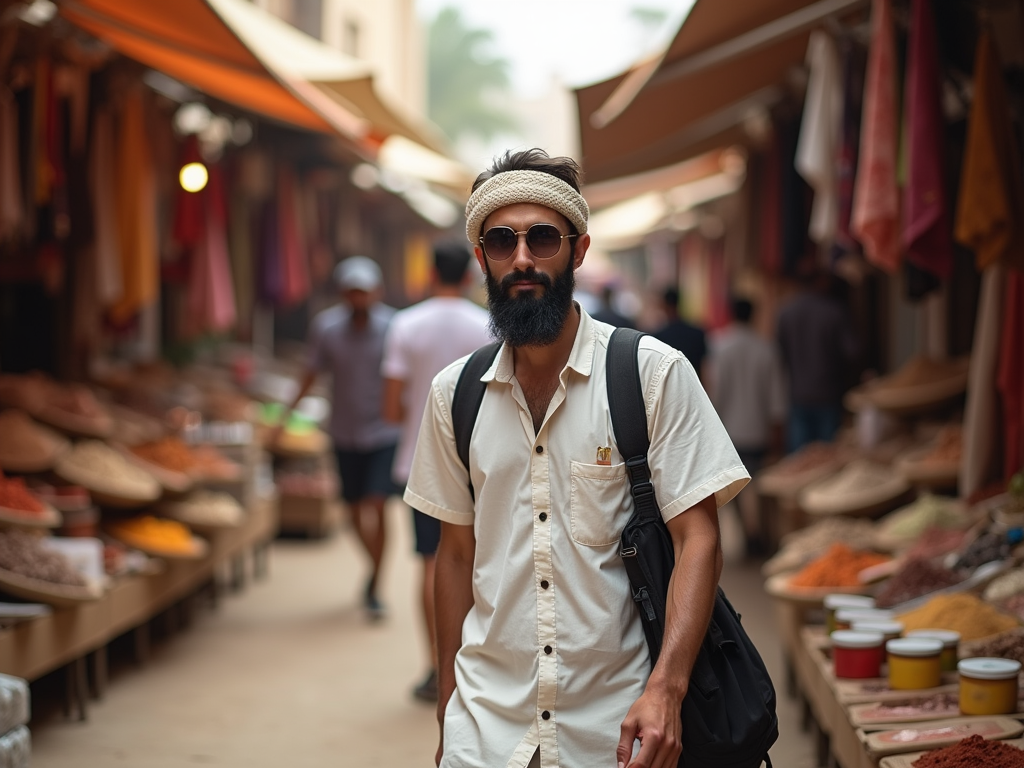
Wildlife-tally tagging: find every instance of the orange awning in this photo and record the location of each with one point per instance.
(188, 41)
(726, 61)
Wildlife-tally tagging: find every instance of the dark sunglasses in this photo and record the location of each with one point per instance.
(543, 240)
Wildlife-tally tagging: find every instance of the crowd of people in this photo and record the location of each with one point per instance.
(486, 577)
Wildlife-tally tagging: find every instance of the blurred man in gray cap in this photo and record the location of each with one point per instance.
(348, 342)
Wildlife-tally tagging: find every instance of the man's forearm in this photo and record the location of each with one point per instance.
(453, 597)
(690, 600)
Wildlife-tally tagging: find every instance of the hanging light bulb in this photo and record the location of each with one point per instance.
(193, 177)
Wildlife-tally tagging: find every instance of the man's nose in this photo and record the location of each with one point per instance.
(522, 256)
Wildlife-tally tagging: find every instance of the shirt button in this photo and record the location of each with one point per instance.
(547, 649)
(546, 715)
(542, 516)
(544, 585)
(540, 449)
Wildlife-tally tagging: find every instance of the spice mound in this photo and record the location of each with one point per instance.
(153, 533)
(212, 464)
(916, 578)
(909, 522)
(169, 452)
(207, 508)
(934, 542)
(14, 495)
(23, 554)
(802, 546)
(984, 549)
(1007, 585)
(960, 612)
(973, 752)
(1008, 645)
(27, 446)
(100, 468)
(838, 567)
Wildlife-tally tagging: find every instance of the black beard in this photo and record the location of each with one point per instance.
(527, 320)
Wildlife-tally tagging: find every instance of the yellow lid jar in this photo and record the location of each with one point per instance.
(950, 645)
(988, 686)
(914, 663)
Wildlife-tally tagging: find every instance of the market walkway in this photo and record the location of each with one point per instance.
(290, 674)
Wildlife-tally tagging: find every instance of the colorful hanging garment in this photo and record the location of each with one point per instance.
(12, 204)
(990, 202)
(977, 463)
(875, 196)
(817, 148)
(271, 272)
(136, 212)
(926, 232)
(846, 158)
(107, 244)
(294, 259)
(189, 207)
(243, 255)
(1011, 374)
(220, 309)
(44, 126)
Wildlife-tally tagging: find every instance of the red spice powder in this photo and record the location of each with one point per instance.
(14, 495)
(973, 752)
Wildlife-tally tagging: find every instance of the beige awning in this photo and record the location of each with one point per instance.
(727, 62)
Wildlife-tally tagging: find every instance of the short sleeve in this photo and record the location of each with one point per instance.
(439, 482)
(395, 364)
(691, 455)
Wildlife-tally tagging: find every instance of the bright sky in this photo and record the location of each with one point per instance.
(577, 41)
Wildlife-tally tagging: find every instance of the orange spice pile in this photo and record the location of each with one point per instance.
(169, 453)
(14, 495)
(838, 567)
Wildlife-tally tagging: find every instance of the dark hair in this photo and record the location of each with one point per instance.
(671, 297)
(450, 261)
(742, 310)
(536, 159)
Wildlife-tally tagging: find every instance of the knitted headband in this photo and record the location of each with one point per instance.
(512, 187)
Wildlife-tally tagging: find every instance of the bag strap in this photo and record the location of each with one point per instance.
(629, 417)
(469, 394)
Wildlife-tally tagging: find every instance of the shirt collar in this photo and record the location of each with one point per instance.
(581, 357)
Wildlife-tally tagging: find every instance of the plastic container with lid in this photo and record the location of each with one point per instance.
(857, 655)
(988, 686)
(846, 616)
(838, 601)
(890, 629)
(914, 663)
(950, 645)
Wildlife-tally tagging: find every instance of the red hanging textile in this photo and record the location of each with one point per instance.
(220, 314)
(990, 201)
(1011, 373)
(875, 218)
(926, 232)
(294, 261)
(189, 207)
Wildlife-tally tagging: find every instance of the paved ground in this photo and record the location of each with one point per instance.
(289, 673)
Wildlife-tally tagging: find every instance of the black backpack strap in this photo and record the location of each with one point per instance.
(469, 393)
(629, 416)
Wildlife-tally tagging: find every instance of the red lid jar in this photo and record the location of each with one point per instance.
(857, 655)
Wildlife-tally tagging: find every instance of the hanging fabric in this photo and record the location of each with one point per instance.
(136, 212)
(926, 231)
(1011, 374)
(820, 127)
(977, 463)
(44, 126)
(12, 208)
(189, 207)
(846, 157)
(271, 272)
(770, 203)
(875, 196)
(102, 189)
(990, 202)
(220, 310)
(240, 243)
(294, 261)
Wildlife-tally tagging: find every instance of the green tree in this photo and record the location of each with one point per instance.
(464, 79)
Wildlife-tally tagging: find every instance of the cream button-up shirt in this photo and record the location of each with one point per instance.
(553, 653)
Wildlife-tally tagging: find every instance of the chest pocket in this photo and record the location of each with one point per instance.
(599, 503)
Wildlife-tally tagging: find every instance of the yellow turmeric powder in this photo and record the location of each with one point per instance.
(962, 612)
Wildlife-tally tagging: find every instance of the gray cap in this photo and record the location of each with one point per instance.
(358, 273)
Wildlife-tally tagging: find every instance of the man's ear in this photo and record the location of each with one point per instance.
(582, 243)
(478, 252)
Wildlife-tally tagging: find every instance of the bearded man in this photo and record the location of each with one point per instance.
(541, 655)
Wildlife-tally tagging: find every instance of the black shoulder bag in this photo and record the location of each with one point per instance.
(728, 715)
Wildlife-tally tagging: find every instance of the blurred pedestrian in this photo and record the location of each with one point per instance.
(746, 387)
(818, 346)
(422, 341)
(349, 344)
(607, 313)
(687, 338)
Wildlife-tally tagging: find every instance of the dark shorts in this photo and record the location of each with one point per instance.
(365, 473)
(428, 533)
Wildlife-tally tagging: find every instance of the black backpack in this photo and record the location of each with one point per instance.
(728, 713)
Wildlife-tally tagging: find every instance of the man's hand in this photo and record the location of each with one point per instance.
(654, 719)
